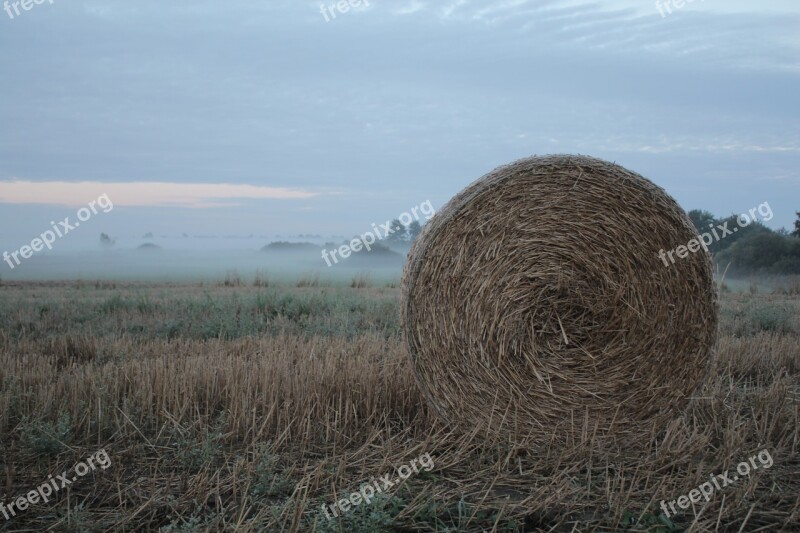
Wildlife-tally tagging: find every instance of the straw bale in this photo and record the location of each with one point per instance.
(534, 302)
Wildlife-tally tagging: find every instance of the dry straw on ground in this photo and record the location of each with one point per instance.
(534, 303)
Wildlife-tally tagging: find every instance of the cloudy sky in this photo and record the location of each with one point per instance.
(262, 117)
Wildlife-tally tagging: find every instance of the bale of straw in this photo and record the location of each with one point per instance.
(535, 303)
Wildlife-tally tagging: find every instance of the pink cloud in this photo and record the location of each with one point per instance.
(152, 194)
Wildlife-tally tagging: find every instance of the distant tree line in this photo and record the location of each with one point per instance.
(401, 233)
(754, 248)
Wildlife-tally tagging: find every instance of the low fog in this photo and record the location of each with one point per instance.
(209, 260)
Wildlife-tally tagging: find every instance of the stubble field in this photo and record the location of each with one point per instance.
(232, 407)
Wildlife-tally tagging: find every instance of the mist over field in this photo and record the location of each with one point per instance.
(197, 265)
(252, 279)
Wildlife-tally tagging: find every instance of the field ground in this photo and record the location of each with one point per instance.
(227, 407)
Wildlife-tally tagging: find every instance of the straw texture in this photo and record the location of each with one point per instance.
(535, 303)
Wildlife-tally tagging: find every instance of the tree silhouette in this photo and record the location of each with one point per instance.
(701, 220)
(399, 232)
(414, 229)
(105, 241)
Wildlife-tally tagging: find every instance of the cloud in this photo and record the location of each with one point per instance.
(409, 9)
(417, 104)
(151, 194)
(721, 32)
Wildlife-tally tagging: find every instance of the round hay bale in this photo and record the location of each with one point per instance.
(535, 303)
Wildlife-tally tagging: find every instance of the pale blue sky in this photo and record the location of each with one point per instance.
(343, 123)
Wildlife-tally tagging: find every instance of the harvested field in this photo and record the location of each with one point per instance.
(297, 396)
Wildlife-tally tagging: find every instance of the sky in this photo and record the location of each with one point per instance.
(276, 119)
